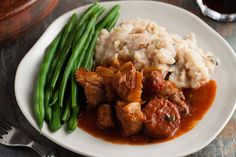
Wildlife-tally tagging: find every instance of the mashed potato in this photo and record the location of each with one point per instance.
(148, 44)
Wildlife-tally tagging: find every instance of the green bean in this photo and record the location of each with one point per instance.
(41, 80)
(78, 34)
(110, 15)
(74, 91)
(53, 65)
(88, 13)
(67, 30)
(65, 50)
(48, 91)
(83, 56)
(90, 51)
(113, 22)
(90, 65)
(67, 111)
(98, 12)
(48, 109)
(73, 121)
(54, 98)
(56, 120)
(76, 53)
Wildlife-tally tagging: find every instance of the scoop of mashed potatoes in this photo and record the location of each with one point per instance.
(147, 44)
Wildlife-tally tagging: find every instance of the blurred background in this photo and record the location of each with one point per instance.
(22, 22)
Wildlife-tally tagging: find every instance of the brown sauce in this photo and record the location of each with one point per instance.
(200, 100)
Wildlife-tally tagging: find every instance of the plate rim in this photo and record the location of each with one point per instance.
(189, 151)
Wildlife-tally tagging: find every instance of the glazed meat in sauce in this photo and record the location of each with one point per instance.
(124, 82)
(156, 86)
(105, 117)
(162, 118)
(133, 101)
(130, 117)
(128, 83)
(93, 87)
(107, 74)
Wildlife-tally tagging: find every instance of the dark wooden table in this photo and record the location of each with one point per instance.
(12, 52)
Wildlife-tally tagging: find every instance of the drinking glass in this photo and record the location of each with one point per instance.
(220, 10)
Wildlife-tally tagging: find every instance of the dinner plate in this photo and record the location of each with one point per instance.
(176, 20)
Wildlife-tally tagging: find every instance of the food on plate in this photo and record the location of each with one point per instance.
(133, 83)
(148, 44)
(155, 108)
(130, 117)
(56, 94)
(143, 83)
(93, 87)
(161, 117)
(156, 86)
(126, 90)
(105, 117)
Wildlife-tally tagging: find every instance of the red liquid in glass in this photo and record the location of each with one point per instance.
(221, 6)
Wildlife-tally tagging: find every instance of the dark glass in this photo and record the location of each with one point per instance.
(221, 6)
(220, 10)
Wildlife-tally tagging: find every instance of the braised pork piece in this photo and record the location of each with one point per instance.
(130, 117)
(93, 87)
(105, 117)
(133, 101)
(162, 118)
(156, 86)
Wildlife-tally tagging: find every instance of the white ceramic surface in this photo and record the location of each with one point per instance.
(176, 20)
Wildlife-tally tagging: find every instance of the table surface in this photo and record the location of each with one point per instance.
(12, 52)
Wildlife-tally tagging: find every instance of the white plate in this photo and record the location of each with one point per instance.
(176, 20)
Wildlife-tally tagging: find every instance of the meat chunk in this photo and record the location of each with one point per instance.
(161, 118)
(93, 87)
(122, 83)
(130, 117)
(153, 80)
(176, 96)
(127, 83)
(156, 86)
(104, 115)
(107, 74)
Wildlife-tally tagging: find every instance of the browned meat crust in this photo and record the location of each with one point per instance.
(161, 118)
(156, 86)
(105, 117)
(93, 87)
(130, 117)
(128, 88)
